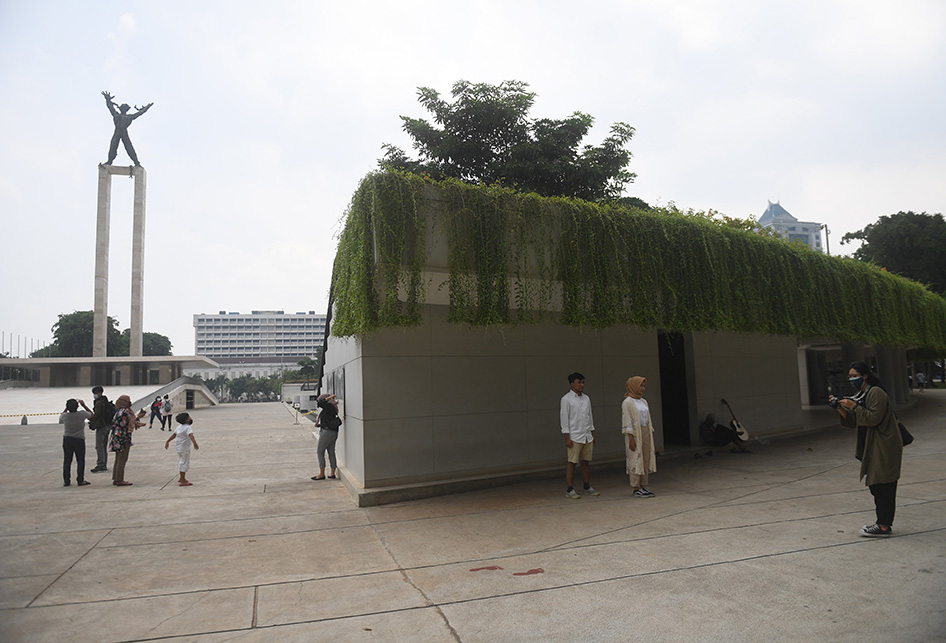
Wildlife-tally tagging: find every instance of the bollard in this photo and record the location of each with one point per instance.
(24, 421)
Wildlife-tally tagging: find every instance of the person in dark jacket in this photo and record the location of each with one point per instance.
(101, 423)
(879, 445)
(329, 423)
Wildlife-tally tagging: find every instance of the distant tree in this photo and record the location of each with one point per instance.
(909, 244)
(152, 344)
(72, 337)
(309, 367)
(486, 136)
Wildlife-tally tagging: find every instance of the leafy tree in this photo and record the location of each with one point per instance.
(486, 136)
(152, 344)
(908, 244)
(72, 337)
(309, 367)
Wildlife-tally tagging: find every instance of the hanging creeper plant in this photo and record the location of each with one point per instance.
(518, 258)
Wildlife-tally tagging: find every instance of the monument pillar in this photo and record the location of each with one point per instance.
(103, 219)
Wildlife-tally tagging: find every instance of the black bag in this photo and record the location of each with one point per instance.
(108, 412)
(905, 435)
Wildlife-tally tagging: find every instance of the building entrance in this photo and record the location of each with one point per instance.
(673, 389)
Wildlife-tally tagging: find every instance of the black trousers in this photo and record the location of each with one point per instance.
(885, 501)
(73, 447)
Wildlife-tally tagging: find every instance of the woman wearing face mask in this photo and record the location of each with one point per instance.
(879, 445)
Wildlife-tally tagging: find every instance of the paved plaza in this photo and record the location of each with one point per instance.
(759, 547)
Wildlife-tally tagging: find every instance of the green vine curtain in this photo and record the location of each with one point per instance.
(514, 258)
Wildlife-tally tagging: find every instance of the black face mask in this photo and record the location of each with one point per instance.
(856, 382)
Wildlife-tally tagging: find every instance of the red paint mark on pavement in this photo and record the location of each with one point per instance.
(538, 570)
(490, 568)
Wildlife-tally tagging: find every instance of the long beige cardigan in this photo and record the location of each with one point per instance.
(631, 423)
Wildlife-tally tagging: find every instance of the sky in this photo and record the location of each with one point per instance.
(267, 115)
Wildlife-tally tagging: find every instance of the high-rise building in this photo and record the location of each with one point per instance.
(260, 344)
(788, 227)
(264, 334)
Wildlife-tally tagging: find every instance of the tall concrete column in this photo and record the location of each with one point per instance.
(103, 219)
(136, 340)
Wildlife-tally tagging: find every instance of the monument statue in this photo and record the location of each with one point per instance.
(122, 120)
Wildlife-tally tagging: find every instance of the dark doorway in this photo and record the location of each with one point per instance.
(673, 389)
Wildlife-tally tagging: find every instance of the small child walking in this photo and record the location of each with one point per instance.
(183, 437)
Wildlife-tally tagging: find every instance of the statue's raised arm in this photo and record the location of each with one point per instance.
(141, 110)
(122, 120)
(110, 103)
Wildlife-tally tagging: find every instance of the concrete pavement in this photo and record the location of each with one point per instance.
(733, 547)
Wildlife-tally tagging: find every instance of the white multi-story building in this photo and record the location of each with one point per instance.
(788, 227)
(259, 344)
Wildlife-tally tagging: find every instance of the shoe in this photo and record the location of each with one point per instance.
(650, 494)
(98, 470)
(876, 531)
(331, 477)
(574, 495)
(641, 493)
(66, 484)
(318, 477)
(591, 491)
(83, 483)
(123, 484)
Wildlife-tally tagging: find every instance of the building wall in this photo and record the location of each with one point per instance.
(443, 402)
(758, 375)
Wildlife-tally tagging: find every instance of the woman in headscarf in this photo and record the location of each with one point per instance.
(328, 422)
(638, 427)
(124, 422)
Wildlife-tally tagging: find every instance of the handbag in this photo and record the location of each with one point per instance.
(905, 435)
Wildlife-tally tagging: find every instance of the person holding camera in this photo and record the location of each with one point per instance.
(879, 445)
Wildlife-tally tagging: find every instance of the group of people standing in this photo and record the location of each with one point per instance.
(113, 425)
(636, 425)
(879, 445)
(161, 409)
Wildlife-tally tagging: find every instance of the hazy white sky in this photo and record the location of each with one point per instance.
(266, 115)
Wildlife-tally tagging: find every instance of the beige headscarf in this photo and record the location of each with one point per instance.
(123, 402)
(634, 387)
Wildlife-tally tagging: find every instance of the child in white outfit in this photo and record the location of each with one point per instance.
(183, 437)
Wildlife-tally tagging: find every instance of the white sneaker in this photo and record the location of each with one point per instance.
(591, 491)
(572, 494)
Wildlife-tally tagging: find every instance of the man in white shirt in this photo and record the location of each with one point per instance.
(579, 429)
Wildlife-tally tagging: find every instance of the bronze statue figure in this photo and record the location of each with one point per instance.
(122, 121)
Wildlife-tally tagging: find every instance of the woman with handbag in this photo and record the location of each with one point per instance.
(879, 444)
(329, 423)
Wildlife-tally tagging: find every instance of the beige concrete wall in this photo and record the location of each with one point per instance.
(756, 374)
(444, 401)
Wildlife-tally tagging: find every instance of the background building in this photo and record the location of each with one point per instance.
(788, 227)
(259, 344)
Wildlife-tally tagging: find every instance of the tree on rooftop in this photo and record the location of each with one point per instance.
(485, 135)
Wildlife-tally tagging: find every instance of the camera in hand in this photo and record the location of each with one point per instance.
(835, 402)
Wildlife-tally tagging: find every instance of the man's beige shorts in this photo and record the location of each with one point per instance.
(578, 451)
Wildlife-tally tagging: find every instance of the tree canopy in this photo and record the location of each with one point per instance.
(908, 244)
(72, 337)
(485, 135)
